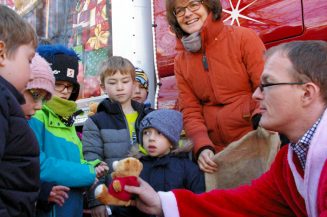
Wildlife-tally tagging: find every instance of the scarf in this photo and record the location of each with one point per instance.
(65, 109)
(192, 42)
(316, 158)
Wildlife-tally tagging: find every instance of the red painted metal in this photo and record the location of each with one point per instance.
(275, 21)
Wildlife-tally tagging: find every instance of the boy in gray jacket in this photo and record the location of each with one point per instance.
(112, 131)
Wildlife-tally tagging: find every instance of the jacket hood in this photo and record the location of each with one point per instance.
(112, 107)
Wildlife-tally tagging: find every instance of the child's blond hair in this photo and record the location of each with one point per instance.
(14, 30)
(116, 64)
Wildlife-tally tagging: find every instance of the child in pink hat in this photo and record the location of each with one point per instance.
(40, 89)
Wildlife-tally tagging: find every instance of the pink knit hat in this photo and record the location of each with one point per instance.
(43, 77)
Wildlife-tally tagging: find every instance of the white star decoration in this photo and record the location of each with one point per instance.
(235, 13)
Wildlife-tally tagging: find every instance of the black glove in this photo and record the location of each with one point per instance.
(255, 121)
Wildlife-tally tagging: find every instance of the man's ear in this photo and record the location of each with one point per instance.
(2, 52)
(311, 93)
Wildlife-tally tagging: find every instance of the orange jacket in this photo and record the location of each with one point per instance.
(217, 104)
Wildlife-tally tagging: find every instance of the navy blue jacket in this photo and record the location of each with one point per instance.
(172, 172)
(164, 174)
(19, 156)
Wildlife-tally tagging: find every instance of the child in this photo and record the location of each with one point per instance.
(166, 166)
(38, 91)
(40, 88)
(19, 153)
(61, 156)
(111, 132)
(140, 93)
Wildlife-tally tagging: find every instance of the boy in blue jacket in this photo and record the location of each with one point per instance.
(19, 152)
(166, 165)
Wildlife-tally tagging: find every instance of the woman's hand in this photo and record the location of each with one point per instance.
(205, 161)
(148, 200)
(58, 194)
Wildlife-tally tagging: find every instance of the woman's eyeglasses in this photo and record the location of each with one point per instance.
(38, 96)
(191, 6)
(262, 86)
(61, 87)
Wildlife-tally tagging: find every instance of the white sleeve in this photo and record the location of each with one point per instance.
(169, 204)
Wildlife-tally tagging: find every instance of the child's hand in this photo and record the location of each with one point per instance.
(58, 194)
(101, 169)
(96, 180)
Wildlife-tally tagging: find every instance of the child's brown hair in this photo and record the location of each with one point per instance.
(116, 64)
(14, 30)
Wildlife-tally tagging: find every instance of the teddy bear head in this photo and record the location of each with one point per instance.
(127, 167)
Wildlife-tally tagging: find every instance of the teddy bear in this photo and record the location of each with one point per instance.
(125, 172)
(93, 106)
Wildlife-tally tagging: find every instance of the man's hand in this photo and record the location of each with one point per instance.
(148, 200)
(205, 161)
(58, 194)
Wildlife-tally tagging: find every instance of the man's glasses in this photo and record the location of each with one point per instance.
(192, 6)
(61, 87)
(262, 86)
(38, 96)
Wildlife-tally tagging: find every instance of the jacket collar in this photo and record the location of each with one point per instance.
(113, 107)
(20, 98)
(209, 32)
(164, 160)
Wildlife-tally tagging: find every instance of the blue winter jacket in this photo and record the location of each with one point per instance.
(62, 161)
(172, 171)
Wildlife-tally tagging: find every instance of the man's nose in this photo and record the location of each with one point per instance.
(257, 94)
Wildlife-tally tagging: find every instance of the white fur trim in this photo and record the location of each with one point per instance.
(168, 204)
(316, 158)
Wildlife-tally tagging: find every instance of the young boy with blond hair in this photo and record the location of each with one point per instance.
(141, 88)
(19, 152)
(111, 132)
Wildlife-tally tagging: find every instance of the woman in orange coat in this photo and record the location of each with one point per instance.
(217, 70)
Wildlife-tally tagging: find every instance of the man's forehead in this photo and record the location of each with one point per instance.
(276, 66)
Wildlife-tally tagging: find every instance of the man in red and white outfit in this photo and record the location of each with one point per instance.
(293, 100)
